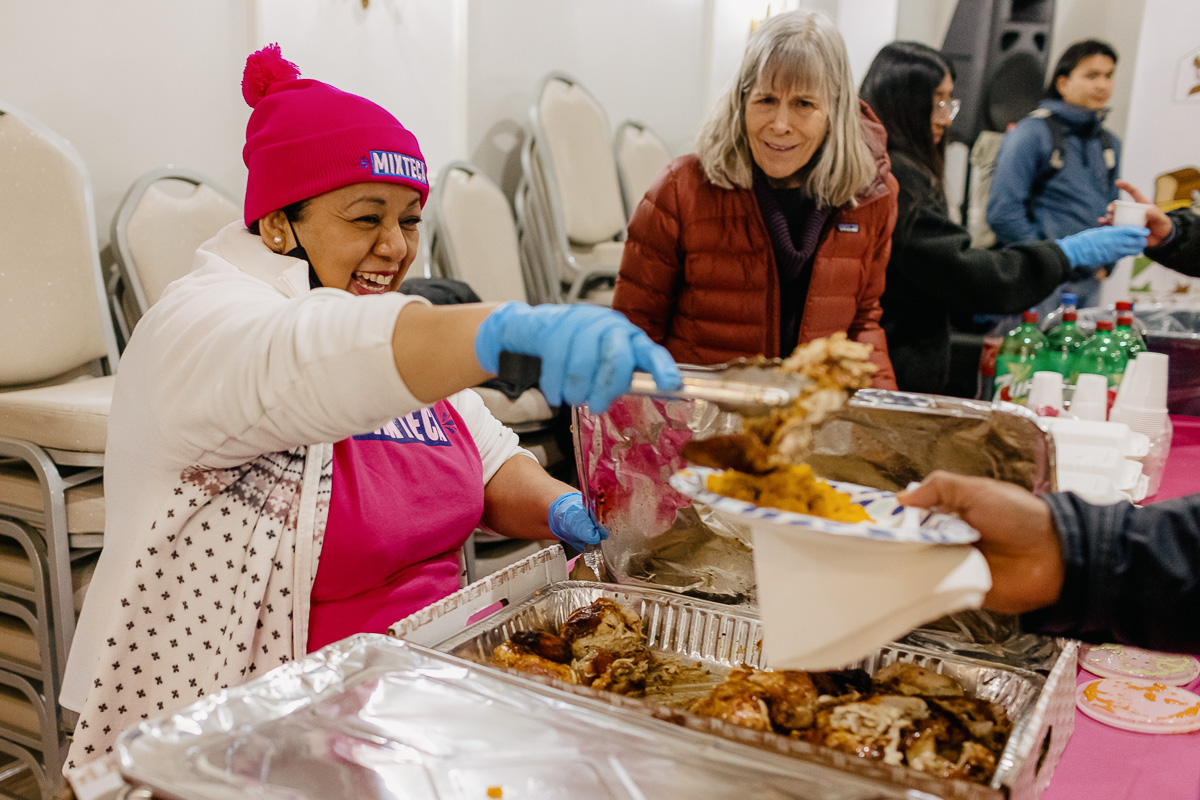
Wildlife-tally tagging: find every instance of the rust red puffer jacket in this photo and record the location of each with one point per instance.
(699, 274)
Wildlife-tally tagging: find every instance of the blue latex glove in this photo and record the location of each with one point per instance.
(571, 522)
(588, 353)
(1097, 246)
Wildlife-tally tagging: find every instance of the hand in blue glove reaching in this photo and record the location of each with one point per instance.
(571, 523)
(1098, 246)
(588, 353)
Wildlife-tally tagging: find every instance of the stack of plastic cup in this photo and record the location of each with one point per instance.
(1142, 399)
(1090, 400)
(1046, 394)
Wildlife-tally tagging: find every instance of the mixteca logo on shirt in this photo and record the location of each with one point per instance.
(419, 427)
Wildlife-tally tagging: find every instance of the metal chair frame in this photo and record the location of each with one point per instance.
(124, 273)
(539, 169)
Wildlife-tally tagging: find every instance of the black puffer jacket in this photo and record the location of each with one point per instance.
(1181, 252)
(1132, 574)
(934, 270)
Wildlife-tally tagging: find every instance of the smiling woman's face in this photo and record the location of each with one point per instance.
(785, 128)
(361, 238)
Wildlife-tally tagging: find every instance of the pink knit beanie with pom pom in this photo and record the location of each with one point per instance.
(306, 138)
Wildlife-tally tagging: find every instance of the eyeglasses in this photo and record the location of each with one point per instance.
(946, 110)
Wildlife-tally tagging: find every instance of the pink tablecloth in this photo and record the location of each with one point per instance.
(1103, 763)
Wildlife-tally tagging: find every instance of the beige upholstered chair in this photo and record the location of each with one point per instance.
(164, 217)
(58, 353)
(640, 157)
(570, 207)
(473, 240)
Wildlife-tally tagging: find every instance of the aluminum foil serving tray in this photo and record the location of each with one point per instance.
(719, 637)
(373, 717)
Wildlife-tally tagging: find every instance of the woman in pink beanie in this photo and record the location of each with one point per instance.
(293, 456)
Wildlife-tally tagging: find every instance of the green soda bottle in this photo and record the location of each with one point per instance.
(1101, 355)
(1127, 336)
(1062, 344)
(1126, 307)
(1017, 360)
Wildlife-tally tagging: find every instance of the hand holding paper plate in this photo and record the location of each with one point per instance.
(830, 592)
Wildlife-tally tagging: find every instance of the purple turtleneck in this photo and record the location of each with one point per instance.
(794, 223)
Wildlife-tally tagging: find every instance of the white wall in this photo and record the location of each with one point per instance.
(133, 85)
(1163, 133)
(866, 26)
(640, 58)
(406, 55)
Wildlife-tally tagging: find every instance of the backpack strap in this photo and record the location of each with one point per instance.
(1058, 144)
(1110, 152)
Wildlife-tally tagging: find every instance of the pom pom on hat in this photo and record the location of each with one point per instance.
(265, 68)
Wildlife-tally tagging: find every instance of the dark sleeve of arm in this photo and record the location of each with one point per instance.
(651, 265)
(934, 252)
(1132, 574)
(1182, 251)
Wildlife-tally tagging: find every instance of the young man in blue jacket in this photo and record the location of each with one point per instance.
(1055, 172)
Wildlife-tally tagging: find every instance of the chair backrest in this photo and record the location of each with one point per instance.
(573, 133)
(164, 217)
(53, 313)
(474, 238)
(640, 156)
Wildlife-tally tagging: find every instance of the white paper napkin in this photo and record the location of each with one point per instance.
(827, 601)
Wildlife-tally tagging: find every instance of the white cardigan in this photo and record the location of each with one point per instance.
(218, 471)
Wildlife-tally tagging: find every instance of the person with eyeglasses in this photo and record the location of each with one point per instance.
(933, 268)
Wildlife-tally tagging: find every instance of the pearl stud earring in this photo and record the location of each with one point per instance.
(278, 240)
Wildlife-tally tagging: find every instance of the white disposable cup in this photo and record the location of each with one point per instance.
(1144, 388)
(1046, 390)
(1127, 212)
(1090, 400)
(1149, 423)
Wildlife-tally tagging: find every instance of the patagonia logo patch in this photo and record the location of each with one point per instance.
(847, 227)
(397, 165)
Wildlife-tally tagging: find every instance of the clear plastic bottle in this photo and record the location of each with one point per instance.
(1017, 359)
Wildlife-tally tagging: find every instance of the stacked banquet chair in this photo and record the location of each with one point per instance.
(570, 214)
(164, 217)
(56, 363)
(640, 157)
(472, 238)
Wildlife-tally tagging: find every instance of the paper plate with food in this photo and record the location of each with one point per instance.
(756, 475)
(794, 496)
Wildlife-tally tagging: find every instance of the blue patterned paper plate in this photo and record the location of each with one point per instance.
(892, 522)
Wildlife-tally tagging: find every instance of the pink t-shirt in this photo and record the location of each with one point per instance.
(405, 499)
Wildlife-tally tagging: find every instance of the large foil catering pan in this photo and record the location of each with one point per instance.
(659, 539)
(718, 638)
(374, 717)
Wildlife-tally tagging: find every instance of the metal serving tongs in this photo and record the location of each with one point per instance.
(747, 387)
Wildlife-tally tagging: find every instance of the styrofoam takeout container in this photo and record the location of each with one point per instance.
(1118, 435)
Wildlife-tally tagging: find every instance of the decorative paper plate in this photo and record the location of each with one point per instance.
(892, 522)
(1119, 661)
(1142, 706)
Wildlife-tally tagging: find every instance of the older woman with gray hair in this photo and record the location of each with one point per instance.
(778, 229)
